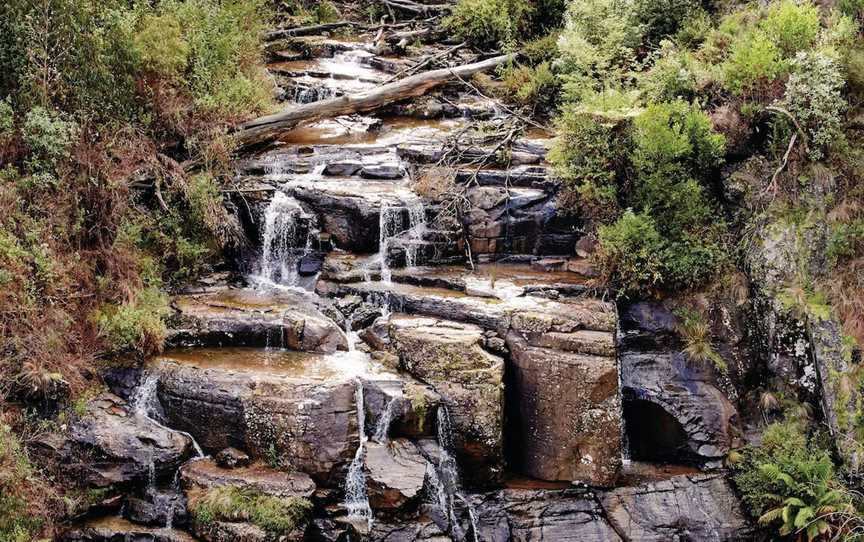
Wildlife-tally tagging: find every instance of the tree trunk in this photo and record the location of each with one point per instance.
(270, 127)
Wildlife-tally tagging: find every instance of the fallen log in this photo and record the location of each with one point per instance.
(414, 7)
(269, 127)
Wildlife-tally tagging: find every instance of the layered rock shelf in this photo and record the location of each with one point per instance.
(406, 378)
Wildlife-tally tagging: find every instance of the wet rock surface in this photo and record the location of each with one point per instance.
(205, 474)
(112, 447)
(395, 473)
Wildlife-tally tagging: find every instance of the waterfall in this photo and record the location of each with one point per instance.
(144, 406)
(356, 496)
(382, 428)
(306, 95)
(391, 225)
(278, 241)
(445, 479)
(350, 335)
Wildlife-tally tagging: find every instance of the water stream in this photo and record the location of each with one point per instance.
(278, 263)
(356, 495)
(392, 225)
(382, 428)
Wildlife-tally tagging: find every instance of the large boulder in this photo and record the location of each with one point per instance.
(451, 357)
(252, 318)
(567, 409)
(702, 507)
(205, 474)
(110, 446)
(308, 421)
(395, 473)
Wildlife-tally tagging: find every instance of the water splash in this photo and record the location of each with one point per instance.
(382, 428)
(145, 405)
(278, 241)
(356, 494)
(446, 480)
(392, 225)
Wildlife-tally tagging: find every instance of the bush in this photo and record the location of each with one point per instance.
(790, 482)
(792, 26)
(852, 8)
(160, 45)
(662, 18)
(753, 65)
(538, 86)
(598, 42)
(814, 96)
(21, 493)
(629, 254)
(676, 137)
(48, 137)
(137, 325)
(230, 503)
(673, 76)
(587, 156)
(491, 23)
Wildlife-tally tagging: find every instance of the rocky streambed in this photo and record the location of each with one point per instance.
(355, 363)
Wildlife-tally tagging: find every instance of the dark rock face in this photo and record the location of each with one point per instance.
(112, 529)
(231, 458)
(250, 318)
(683, 508)
(524, 515)
(111, 447)
(309, 424)
(568, 424)
(666, 394)
(158, 508)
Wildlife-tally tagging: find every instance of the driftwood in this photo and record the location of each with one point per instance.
(303, 31)
(267, 128)
(414, 7)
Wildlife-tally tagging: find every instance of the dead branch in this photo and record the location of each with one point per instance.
(304, 30)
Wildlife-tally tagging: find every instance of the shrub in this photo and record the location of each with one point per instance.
(160, 45)
(137, 325)
(230, 503)
(598, 41)
(629, 253)
(790, 482)
(538, 86)
(661, 18)
(792, 26)
(676, 136)
(753, 65)
(7, 119)
(814, 97)
(587, 156)
(326, 12)
(21, 516)
(490, 23)
(48, 137)
(673, 76)
(852, 8)
(696, 334)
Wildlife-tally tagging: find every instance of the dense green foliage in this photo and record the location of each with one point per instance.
(790, 482)
(99, 103)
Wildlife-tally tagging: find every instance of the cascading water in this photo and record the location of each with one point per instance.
(446, 479)
(356, 495)
(306, 95)
(278, 264)
(391, 225)
(382, 428)
(144, 405)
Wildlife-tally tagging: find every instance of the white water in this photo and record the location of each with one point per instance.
(391, 225)
(143, 406)
(356, 496)
(446, 480)
(382, 428)
(312, 94)
(278, 264)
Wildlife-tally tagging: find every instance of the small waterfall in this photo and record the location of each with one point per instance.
(356, 496)
(350, 335)
(306, 95)
(382, 428)
(144, 405)
(278, 264)
(391, 225)
(416, 230)
(446, 481)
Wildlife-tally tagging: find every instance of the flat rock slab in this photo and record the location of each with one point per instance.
(395, 473)
(110, 446)
(114, 529)
(205, 474)
(305, 415)
(702, 507)
(253, 318)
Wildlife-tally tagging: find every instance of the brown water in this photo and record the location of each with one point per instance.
(276, 361)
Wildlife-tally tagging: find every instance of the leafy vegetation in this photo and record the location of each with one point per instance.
(790, 483)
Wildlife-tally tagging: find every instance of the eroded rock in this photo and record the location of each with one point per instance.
(395, 472)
